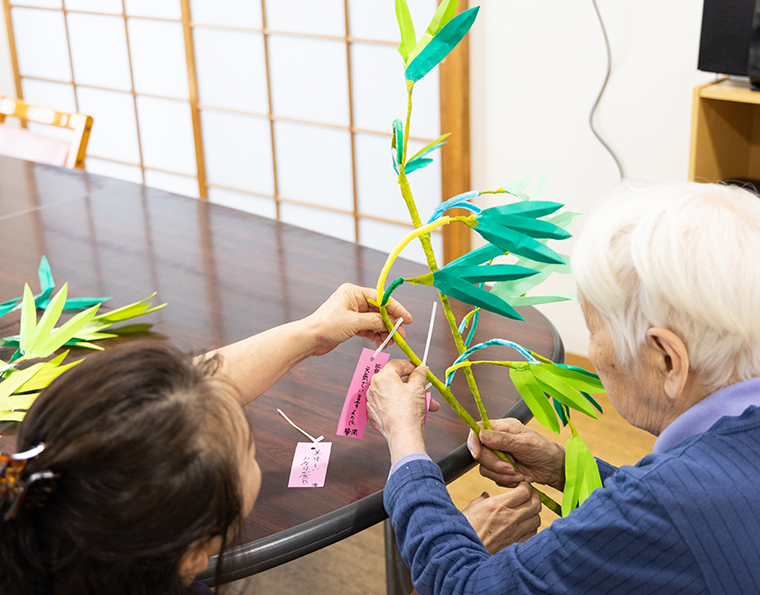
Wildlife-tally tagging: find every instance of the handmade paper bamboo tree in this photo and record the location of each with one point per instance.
(521, 229)
(39, 340)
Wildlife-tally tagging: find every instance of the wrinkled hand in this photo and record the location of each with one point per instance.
(396, 407)
(539, 459)
(348, 313)
(506, 518)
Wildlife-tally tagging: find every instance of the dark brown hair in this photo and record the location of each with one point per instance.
(147, 447)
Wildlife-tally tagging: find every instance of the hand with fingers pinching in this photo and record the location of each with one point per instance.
(396, 407)
(538, 459)
(506, 518)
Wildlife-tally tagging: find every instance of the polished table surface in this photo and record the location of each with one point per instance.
(226, 275)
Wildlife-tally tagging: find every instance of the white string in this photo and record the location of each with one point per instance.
(430, 333)
(309, 436)
(387, 340)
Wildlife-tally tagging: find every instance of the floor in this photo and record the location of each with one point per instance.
(356, 566)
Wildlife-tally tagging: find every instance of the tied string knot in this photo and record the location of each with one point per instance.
(16, 490)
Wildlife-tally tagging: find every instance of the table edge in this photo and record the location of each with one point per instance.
(306, 538)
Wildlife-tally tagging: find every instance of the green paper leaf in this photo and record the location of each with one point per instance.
(49, 372)
(508, 290)
(539, 189)
(441, 45)
(431, 146)
(19, 402)
(12, 415)
(126, 312)
(473, 295)
(581, 475)
(4, 309)
(534, 398)
(49, 318)
(510, 240)
(488, 272)
(28, 319)
(416, 164)
(582, 381)
(566, 220)
(516, 188)
(406, 27)
(397, 141)
(557, 388)
(15, 380)
(532, 300)
(535, 228)
(58, 338)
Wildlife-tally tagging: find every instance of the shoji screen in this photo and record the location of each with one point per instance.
(278, 107)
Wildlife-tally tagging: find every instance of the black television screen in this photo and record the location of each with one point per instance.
(726, 36)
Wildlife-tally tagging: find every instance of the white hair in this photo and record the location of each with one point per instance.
(685, 257)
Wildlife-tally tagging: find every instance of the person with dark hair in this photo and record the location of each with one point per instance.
(136, 466)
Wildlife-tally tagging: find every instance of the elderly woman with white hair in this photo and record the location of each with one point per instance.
(669, 282)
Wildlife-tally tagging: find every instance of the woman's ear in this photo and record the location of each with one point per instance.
(195, 559)
(671, 360)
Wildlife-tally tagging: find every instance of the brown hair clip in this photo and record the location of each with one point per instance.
(14, 489)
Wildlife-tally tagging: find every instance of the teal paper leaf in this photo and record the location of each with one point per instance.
(473, 295)
(416, 164)
(518, 243)
(441, 45)
(489, 272)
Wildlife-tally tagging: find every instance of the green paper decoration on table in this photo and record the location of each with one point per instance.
(40, 339)
(521, 229)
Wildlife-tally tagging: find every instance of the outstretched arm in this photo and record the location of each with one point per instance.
(256, 363)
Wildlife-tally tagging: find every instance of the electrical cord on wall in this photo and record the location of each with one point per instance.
(601, 92)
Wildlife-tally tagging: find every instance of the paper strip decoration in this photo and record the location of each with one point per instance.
(353, 418)
(309, 467)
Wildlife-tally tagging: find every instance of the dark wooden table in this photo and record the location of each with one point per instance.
(227, 275)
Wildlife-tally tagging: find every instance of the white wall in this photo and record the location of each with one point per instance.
(536, 69)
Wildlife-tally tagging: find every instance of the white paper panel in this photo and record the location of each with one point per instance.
(166, 9)
(56, 96)
(114, 130)
(159, 65)
(107, 6)
(172, 183)
(314, 164)
(233, 13)
(380, 96)
(41, 44)
(309, 79)
(386, 236)
(377, 20)
(250, 203)
(166, 134)
(238, 151)
(39, 3)
(332, 224)
(99, 51)
(231, 69)
(113, 170)
(325, 17)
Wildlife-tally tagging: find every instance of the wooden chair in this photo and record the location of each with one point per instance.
(25, 144)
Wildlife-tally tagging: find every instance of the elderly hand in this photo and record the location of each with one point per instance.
(396, 407)
(347, 313)
(506, 518)
(539, 459)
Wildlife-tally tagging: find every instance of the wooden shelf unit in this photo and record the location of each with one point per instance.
(725, 133)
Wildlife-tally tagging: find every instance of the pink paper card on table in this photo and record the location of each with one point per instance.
(353, 418)
(310, 465)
